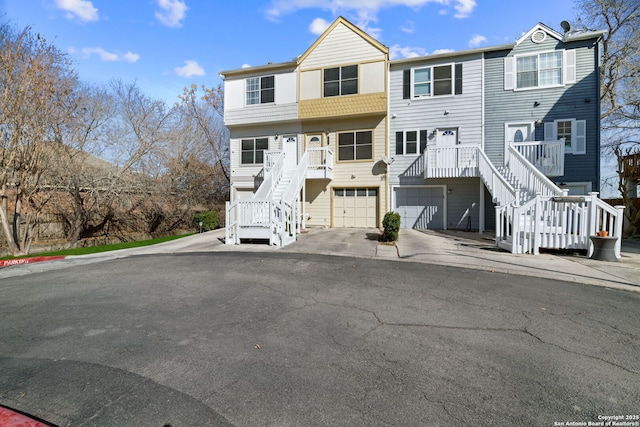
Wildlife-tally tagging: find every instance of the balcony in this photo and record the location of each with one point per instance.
(461, 160)
(320, 163)
(451, 161)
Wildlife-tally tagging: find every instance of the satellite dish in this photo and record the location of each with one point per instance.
(565, 26)
(386, 160)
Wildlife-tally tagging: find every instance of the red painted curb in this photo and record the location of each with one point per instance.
(9, 418)
(20, 261)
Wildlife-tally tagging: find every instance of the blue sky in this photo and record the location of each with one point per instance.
(165, 45)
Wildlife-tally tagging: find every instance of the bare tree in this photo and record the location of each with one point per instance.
(77, 173)
(35, 81)
(208, 111)
(620, 85)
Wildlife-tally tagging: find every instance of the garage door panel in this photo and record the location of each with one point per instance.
(420, 207)
(355, 207)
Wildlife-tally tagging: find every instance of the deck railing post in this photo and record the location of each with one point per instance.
(593, 218)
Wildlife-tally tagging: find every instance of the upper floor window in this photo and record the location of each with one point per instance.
(411, 142)
(432, 81)
(253, 151)
(260, 90)
(341, 81)
(540, 70)
(544, 69)
(355, 145)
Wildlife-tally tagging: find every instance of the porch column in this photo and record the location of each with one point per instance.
(481, 217)
(304, 208)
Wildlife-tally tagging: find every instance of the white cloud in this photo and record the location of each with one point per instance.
(365, 11)
(81, 9)
(171, 13)
(246, 66)
(464, 8)
(318, 26)
(397, 52)
(109, 56)
(190, 69)
(409, 27)
(477, 40)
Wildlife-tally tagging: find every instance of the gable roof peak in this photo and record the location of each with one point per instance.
(344, 21)
(540, 27)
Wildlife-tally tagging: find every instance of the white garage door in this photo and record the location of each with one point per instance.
(420, 207)
(355, 207)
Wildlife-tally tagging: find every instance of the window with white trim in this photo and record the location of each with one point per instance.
(341, 81)
(252, 151)
(260, 90)
(430, 81)
(574, 133)
(356, 145)
(540, 70)
(544, 69)
(410, 141)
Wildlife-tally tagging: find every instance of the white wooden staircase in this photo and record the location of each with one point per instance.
(531, 211)
(275, 211)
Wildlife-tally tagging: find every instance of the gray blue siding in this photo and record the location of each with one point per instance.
(574, 101)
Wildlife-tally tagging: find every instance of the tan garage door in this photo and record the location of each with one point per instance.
(355, 207)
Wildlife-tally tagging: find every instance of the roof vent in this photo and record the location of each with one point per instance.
(538, 36)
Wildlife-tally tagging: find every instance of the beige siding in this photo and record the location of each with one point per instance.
(318, 203)
(372, 77)
(353, 174)
(341, 46)
(310, 84)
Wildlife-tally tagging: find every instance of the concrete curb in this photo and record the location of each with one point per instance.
(30, 260)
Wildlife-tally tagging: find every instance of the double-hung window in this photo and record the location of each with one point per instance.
(411, 142)
(341, 81)
(432, 81)
(260, 90)
(574, 133)
(355, 145)
(540, 70)
(252, 151)
(544, 69)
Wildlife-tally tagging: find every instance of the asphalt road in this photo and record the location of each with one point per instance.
(283, 339)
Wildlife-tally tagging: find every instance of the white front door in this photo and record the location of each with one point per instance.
(446, 140)
(290, 150)
(447, 137)
(519, 132)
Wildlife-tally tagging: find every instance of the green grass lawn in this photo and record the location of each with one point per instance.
(105, 248)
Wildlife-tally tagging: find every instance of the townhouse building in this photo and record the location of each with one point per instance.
(503, 138)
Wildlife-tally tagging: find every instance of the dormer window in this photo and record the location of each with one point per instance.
(341, 81)
(260, 90)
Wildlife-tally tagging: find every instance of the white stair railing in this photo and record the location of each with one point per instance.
(546, 156)
(531, 179)
(503, 193)
(273, 168)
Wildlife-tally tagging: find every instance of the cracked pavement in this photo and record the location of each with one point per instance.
(280, 338)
